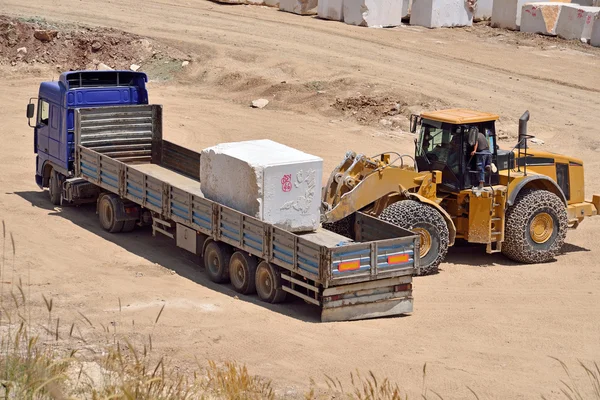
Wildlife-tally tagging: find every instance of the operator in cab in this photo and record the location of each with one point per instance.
(482, 151)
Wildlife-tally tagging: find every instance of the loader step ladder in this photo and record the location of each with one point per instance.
(498, 216)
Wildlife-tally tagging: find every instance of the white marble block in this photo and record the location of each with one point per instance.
(377, 13)
(440, 13)
(331, 9)
(540, 17)
(595, 39)
(265, 179)
(575, 22)
(483, 11)
(301, 7)
(507, 13)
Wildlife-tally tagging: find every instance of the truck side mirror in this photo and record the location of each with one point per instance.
(30, 110)
(414, 121)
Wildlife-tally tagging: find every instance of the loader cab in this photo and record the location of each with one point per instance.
(443, 144)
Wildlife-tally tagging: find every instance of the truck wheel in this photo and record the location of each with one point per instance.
(129, 226)
(54, 187)
(107, 213)
(242, 272)
(216, 261)
(428, 224)
(536, 227)
(268, 283)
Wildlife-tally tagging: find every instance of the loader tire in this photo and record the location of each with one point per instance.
(536, 227)
(428, 223)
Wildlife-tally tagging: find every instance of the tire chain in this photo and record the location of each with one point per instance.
(516, 246)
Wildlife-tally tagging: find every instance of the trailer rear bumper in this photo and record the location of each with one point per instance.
(374, 299)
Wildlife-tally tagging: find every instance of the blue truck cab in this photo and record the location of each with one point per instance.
(54, 139)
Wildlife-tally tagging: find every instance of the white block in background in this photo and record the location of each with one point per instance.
(507, 13)
(483, 12)
(595, 39)
(272, 3)
(440, 13)
(301, 7)
(267, 180)
(378, 13)
(576, 22)
(331, 9)
(540, 17)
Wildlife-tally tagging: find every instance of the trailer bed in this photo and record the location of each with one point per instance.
(342, 275)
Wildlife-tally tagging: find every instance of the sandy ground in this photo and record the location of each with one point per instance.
(483, 322)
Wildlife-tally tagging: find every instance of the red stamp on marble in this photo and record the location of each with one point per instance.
(286, 183)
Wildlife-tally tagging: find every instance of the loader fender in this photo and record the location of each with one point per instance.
(538, 182)
(451, 227)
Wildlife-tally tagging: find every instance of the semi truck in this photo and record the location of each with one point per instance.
(98, 140)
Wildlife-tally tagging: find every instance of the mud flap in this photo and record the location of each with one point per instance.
(378, 309)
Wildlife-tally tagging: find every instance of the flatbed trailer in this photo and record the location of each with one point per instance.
(120, 150)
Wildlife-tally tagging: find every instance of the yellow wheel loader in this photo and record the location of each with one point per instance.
(527, 202)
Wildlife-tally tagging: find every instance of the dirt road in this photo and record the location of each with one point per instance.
(483, 322)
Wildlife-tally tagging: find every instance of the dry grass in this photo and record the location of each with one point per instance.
(34, 365)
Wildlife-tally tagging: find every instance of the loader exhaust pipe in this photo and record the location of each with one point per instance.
(523, 127)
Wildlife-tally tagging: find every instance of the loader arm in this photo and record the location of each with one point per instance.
(369, 189)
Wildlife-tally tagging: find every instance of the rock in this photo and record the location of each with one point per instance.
(301, 7)
(331, 9)
(260, 103)
(267, 180)
(96, 46)
(103, 67)
(536, 141)
(576, 22)
(22, 50)
(440, 13)
(185, 63)
(45, 35)
(540, 17)
(385, 122)
(134, 67)
(373, 13)
(595, 39)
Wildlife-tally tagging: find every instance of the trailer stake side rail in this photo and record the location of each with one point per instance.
(121, 151)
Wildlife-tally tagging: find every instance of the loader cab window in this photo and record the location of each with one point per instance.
(440, 147)
(43, 112)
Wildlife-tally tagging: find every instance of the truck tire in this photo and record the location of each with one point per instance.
(55, 187)
(216, 261)
(536, 227)
(242, 272)
(129, 226)
(428, 223)
(107, 213)
(268, 283)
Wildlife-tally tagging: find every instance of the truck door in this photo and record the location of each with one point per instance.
(42, 128)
